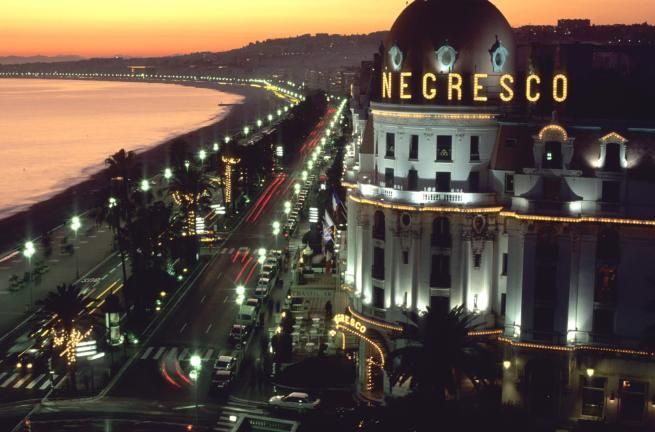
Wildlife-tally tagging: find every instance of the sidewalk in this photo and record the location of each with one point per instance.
(92, 246)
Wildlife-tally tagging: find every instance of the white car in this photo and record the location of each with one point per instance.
(295, 401)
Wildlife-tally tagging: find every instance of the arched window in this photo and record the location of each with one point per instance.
(552, 155)
(379, 226)
(441, 232)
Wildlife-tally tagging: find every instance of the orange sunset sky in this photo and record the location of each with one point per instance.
(161, 27)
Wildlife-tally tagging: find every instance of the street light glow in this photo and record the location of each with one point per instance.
(202, 154)
(168, 173)
(145, 185)
(196, 362)
(29, 249)
(241, 290)
(76, 223)
(215, 147)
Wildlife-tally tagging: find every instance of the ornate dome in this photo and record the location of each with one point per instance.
(442, 36)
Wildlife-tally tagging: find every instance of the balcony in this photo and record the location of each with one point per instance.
(427, 197)
(377, 272)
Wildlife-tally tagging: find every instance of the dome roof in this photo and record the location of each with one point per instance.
(442, 36)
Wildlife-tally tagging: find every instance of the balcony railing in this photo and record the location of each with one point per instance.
(427, 197)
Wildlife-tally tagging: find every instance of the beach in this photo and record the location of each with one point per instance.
(54, 211)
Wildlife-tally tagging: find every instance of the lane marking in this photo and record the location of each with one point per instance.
(208, 328)
(183, 327)
(33, 383)
(47, 383)
(219, 275)
(159, 353)
(146, 353)
(202, 300)
(225, 299)
(183, 354)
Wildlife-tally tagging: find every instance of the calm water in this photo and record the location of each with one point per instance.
(54, 134)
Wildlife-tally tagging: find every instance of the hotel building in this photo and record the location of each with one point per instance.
(539, 221)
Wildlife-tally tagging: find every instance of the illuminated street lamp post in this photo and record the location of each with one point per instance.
(304, 176)
(202, 155)
(241, 294)
(287, 207)
(28, 252)
(76, 224)
(196, 365)
(145, 185)
(168, 173)
(296, 189)
(276, 231)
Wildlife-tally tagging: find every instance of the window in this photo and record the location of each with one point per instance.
(503, 267)
(443, 182)
(378, 263)
(477, 260)
(552, 155)
(405, 257)
(475, 149)
(391, 145)
(412, 180)
(378, 297)
(413, 148)
(503, 304)
(509, 183)
(474, 181)
(441, 233)
(611, 192)
(633, 400)
(510, 142)
(593, 396)
(440, 272)
(388, 178)
(376, 146)
(606, 284)
(379, 229)
(613, 157)
(444, 148)
(603, 323)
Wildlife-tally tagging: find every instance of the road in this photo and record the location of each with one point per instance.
(202, 321)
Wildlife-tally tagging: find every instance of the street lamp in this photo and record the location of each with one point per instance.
(76, 224)
(276, 231)
(196, 365)
(145, 185)
(168, 173)
(202, 155)
(246, 130)
(304, 176)
(227, 139)
(215, 147)
(296, 188)
(28, 251)
(259, 123)
(187, 164)
(270, 118)
(287, 207)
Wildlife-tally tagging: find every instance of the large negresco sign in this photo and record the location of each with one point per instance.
(348, 321)
(450, 87)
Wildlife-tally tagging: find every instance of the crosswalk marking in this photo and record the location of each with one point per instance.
(21, 381)
(33, 383)
(223, 251)
(146, 353)
(179, 353)
(208, 355)
(158, 354)
(47, 383)
(2, 375)
(231, 251)
(10, 379)
(235, 409)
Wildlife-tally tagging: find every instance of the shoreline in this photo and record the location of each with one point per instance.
(46, 215)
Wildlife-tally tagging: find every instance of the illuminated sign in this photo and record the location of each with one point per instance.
(401, 86)
(349, 321)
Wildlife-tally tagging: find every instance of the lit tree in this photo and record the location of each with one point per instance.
(69, 321)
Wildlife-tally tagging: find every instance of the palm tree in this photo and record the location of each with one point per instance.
(69, 321)
(191, 190)
(438, 355)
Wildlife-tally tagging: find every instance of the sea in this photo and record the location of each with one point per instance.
(56, 133)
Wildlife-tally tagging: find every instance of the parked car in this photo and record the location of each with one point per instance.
(222, 380)
(254, 302)
(225, 362)
(295, 401)
(238, 333)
